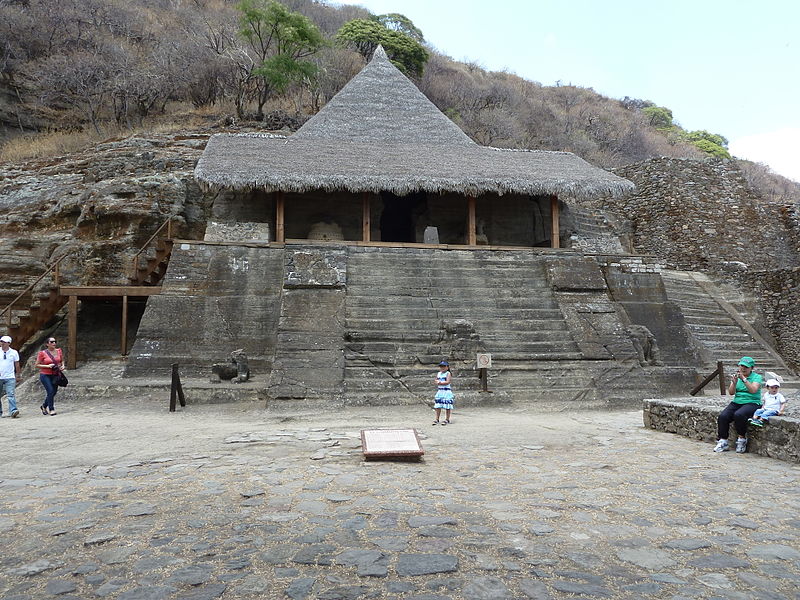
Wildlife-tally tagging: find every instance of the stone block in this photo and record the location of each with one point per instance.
(575, 273)
(431, 235)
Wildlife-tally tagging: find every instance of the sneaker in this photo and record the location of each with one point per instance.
(722, 446)
(741, 446)
(757, 422)
(14, 414)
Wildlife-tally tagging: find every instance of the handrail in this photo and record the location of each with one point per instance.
(135, 260)
(56, 280)
(718, 372)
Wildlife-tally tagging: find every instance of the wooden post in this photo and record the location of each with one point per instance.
(471, 236)
(176, 389)
(555, 227)
(280, 232)
(365, 217)
(721, 372)
(124, 329)
(72, 332)
(483, 374)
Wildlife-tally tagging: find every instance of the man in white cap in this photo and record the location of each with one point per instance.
(9, 375)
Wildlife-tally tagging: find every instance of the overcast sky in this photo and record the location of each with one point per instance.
(730, 67)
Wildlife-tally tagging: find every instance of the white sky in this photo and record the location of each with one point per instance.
(730, 67)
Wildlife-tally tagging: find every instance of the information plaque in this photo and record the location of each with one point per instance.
(391, 443)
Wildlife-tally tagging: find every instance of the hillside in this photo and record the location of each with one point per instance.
(110, 66)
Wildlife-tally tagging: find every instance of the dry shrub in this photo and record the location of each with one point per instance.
(59, 143)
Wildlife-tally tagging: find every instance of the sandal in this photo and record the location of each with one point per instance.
(44, 410)
(435, 423)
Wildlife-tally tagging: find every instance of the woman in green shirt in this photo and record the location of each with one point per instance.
(745, 387)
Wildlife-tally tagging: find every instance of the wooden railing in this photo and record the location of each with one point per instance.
(54, 269)
(135, 259)
(718, 372)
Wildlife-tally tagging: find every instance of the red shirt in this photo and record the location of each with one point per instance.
(43, 358)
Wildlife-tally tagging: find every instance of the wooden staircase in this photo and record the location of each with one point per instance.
(34, 307)
(150, 269)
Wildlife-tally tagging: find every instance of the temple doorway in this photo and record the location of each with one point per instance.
(397, 218)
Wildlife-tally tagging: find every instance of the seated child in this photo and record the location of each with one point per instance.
(774, 403)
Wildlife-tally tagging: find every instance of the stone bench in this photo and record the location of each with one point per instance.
(697, 418)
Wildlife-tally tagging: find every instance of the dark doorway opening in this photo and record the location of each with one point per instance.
(398, 218)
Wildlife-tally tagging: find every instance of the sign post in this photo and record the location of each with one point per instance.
(484, 362)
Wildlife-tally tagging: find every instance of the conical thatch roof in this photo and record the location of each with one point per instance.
(380, 133)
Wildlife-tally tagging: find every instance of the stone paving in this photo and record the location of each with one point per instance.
(126, 501)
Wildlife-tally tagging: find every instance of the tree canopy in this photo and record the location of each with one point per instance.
(364, 35)
(279, 39)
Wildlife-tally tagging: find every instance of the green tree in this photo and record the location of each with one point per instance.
(279, 40)
(714, 138)
(365, 35)
(658, 116)
(401, 23)
(711, 148)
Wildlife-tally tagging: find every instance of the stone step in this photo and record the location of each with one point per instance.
(739, 337)
(722, 329)
(399, 326)
(707, 318)
(393, 359)
(384, 314)
(514, 338)
(450, 278)
(448, 292)
(455, 302)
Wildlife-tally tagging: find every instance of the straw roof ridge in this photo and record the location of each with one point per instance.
(256, 134)
(563, 152)
(381, 105)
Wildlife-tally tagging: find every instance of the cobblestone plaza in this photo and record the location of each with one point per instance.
(124, 500)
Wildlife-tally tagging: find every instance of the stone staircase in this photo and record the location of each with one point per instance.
(407, 310)
(720, 333)
(594, 232)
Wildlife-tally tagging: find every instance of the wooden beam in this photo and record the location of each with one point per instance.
(365, 217)
(124, 329)
(110, 290)
(471, 234)
(72, 332)
(555, 227)
(280, 230)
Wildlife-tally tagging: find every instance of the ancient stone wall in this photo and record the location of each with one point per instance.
(702, 215)
(777, 292)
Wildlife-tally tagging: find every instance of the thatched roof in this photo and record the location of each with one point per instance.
(380, 133)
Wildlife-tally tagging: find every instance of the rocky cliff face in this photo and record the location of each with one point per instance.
(97, 207)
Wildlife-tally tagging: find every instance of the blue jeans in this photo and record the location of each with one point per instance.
(10, 386)
(765, 413)
(49, 383)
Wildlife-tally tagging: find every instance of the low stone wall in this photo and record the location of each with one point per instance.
(697, 418)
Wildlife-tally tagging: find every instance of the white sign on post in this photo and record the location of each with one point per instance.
(484, 360)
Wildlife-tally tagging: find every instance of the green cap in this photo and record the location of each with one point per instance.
(747, 362)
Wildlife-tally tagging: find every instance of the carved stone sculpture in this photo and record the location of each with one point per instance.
(325, 231)
(236, 369)
(645, 344)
